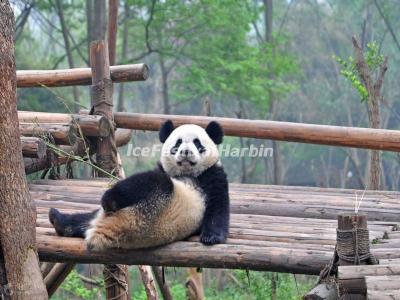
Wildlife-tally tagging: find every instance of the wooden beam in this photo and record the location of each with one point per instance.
(33, 147)
(122, 136)
(183, 254)
(193, 254)
(78, 76)
(33, 165)
(89, 124)
(352, 278)
(64, 134)
(367, 138)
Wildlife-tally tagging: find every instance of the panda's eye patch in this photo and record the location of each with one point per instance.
(174, 149)
(199, 146)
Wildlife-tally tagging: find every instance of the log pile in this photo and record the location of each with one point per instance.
(67, 132)
(259, 241)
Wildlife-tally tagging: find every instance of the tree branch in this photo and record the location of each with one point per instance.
(387, 23)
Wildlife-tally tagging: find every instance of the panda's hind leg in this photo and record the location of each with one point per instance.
(70, 225)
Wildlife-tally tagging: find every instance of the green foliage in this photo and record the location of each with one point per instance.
(258, 287)
(74, 285)
(350, 72)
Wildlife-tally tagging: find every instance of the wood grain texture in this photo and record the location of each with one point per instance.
(79, 76)
(258, 241)
(19, 265)
(366, 138)
(33, 147)
(90, 125)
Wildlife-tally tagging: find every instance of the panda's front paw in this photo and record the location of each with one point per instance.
(212, 238)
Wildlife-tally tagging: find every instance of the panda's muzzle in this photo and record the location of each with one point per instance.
(186, 161)
(185, 157)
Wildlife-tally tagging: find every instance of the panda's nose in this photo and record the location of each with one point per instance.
(186, 152)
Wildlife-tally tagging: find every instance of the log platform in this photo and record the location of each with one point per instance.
(273, 228)
(376, 282)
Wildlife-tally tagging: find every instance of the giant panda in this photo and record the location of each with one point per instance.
(186, 194)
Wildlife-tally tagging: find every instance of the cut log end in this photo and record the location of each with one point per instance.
(33, 147)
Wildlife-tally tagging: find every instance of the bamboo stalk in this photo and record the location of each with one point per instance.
(78, 76)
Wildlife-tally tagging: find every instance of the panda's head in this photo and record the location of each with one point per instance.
(189, 149)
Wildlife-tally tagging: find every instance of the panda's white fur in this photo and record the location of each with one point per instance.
(188, 133)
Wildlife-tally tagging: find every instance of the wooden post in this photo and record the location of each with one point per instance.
(102, 104)
(352, 248)
(116, 276)
(351, 227)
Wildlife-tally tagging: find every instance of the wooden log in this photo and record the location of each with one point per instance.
(382, 283)
(148, 282)
(194, 285)
(384, 295)
(288, 208)
(349, 222)
(79, 76)
(89, 124)
(115, 281)
(33, 165)
(122, 136)
(56, 276)
(184, 254)
(45, 267)
(106, 154)
(352, 278)
(162, 283)
(64, 134)
(33, 147)
(366, 138)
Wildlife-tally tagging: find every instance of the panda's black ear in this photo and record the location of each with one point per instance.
(166, 128)
(215, 132)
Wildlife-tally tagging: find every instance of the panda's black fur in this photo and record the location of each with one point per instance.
(144, 197)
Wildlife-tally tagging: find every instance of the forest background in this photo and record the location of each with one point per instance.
(282, 60)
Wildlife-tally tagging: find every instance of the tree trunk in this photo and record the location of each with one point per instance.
(277, 157)
(272, 113)
(64, 29)
(89, 25)
(17, 211)
(125, 35)
(374, 98)
(164, 78)
(112, 29)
